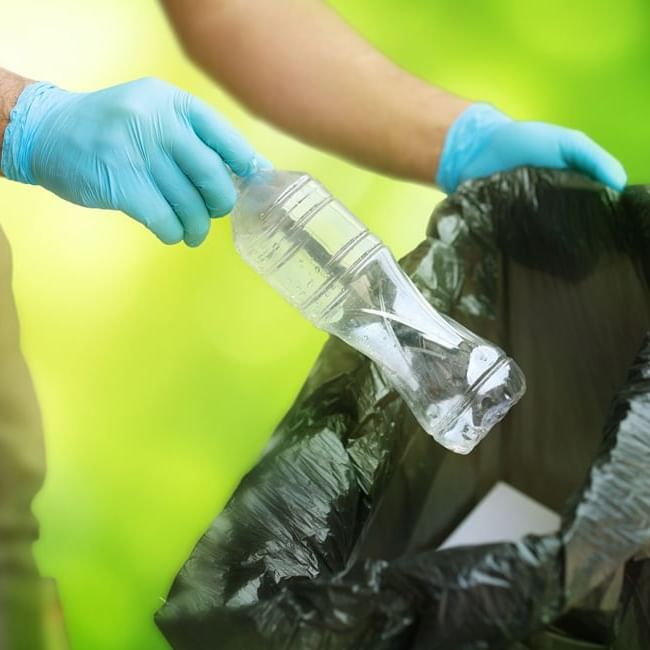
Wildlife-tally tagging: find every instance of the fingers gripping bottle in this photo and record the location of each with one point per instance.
(326, 263)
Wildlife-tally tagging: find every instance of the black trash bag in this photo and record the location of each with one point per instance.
(330, 541)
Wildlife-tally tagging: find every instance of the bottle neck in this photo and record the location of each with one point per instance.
(240, 182)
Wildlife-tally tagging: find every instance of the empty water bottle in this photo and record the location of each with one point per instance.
(326, 263)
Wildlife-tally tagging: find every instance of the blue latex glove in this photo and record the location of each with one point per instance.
(144, 147)
(483, 141)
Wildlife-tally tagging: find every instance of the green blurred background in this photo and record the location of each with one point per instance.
(162, 371)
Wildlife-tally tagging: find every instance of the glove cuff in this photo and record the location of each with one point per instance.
(21, 130)
(464, 139)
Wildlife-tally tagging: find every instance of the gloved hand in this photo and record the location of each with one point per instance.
(144, 147)
(483, 141)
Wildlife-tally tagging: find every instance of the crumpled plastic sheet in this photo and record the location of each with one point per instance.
(330, 541)
(612, 520)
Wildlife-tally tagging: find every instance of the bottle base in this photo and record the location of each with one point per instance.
(489, 401)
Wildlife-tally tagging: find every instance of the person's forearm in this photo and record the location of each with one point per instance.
(299, 66)
(11, 85)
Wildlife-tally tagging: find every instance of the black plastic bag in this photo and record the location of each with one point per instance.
(330, 541)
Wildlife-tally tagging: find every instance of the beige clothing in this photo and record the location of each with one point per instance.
(23, 595)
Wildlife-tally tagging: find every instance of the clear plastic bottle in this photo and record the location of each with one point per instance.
(326, 263)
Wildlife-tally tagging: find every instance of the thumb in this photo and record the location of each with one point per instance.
(221, 137)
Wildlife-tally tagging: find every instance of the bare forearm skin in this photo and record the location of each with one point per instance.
(11, 85)
(297, 64)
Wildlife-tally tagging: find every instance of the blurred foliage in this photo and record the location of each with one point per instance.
(161, 370)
